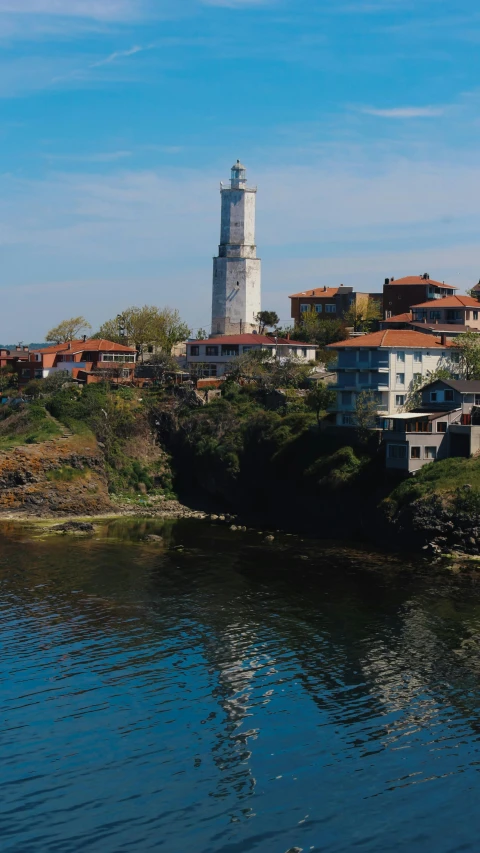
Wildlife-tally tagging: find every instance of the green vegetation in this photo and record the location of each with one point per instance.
(444, 478)
(21, 424)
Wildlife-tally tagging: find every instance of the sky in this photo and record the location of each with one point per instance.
(358, 120)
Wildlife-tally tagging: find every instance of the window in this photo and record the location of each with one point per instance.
(195, 350)
(434, 396)
(229, 349)
(26, 373)
(363, 377)
(430, 453)
(415, 453)
(304, 308)
(346, 398)
(319, 308)
(331, 309)
(211, 351)
(150, 349)
(401, 357)
(417, 377)
(417, 357)
(477, 399)
(400, 379)
(38, 374)
(122, 358)
(397, 451)
(448, 396)
(303, 352)
(441, 426)
(400, 400)
(348, 420)
(363, 356)
(455, 357)
(475, 315)
(435, 315)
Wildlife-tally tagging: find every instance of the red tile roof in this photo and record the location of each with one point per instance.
(399, 318)
(92, 345)
(418, 279)
(392, 338)
(249, 340)
(327, 293)
(450, 302)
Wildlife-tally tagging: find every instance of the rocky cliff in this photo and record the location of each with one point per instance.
(64, 476)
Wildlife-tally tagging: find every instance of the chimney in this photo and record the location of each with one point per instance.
(443, 339)
(325, 287)
(69, 345)
(84, 338)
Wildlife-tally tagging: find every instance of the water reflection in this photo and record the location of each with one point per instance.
(211, 694)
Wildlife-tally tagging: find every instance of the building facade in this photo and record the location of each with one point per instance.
(387, 363)
(329, 302)
(401, 293)
(451, 310)
(213, 357)
(236, 293)
(85, 360)
(448, 424)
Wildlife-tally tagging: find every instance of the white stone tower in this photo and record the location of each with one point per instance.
(237, 270)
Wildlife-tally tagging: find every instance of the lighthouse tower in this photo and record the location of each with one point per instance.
(237, 270)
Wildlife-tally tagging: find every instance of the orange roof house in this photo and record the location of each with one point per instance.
(85, 360)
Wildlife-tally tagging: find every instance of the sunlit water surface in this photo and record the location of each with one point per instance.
(233, 697)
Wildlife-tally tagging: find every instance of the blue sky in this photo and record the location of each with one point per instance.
(358, 121)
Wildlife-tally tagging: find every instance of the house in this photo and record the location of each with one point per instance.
(387, 363)
(85, 360)
(451, 310)
(14, 358)
(328, 302)
(211, 357)
(401, 293)
(448, 424)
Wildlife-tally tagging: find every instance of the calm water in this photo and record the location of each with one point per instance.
(233, 697)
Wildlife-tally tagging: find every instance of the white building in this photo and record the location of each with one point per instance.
(387, 363)
(212, 357)
(237, 270)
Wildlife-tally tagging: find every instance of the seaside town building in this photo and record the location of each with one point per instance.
(329, 302)
(401, 293)
(236, 296)
(451, 315)
(85, 360)
(447, 424)
(386, 363)
(213, 356)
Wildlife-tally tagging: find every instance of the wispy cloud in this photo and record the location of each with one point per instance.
(121, 54)
(101, 10)
(404, 112)
(101, 157)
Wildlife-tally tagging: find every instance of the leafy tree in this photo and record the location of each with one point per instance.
(160, 364)
(56, 381)
(366, 412)
(67, 330)
(414, 396)
(269, 372)
(320, 397)
(468, 346)
(315, 330)
(363, 314)
(8, 378)
(267, 319)
(145, 327)
(201, 335)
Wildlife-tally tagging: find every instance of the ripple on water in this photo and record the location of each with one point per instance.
(201, 701)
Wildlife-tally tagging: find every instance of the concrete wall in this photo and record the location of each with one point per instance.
(238, 218)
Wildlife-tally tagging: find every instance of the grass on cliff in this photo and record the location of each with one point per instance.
(442, 478)
(27, 425)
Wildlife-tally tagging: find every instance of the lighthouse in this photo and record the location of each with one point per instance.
(237, 270)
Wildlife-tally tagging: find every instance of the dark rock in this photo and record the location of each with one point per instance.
(74, 527)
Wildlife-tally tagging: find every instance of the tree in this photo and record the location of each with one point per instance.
(146, 326)
(414, 396)
(266, 319)
(363, 314)
(201, 335)
(468, 347)
(320, 397)
(56, 381)
(8, 378)
(268, 372)
(366, 412)
(160, 364)
(67, 330)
